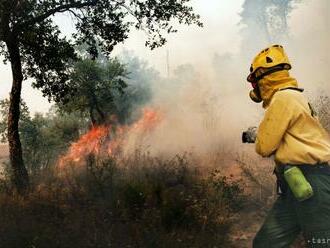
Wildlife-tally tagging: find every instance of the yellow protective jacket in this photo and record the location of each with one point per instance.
(289, 130)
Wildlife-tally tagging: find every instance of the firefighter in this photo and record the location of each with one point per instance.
(291, 132)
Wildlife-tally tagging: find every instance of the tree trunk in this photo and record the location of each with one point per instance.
(19, 173)
(91, 115)
(102, 120)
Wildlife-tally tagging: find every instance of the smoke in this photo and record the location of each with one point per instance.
(308, 46)
(264, 22)
(301, 26)
(207, 107)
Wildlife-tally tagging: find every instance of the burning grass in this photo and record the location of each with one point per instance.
(109, 140)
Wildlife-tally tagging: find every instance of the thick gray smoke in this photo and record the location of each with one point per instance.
(206, 109)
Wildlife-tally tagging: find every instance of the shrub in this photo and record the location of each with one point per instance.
(138, 201)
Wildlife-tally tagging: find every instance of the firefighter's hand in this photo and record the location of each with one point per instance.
(250, 135)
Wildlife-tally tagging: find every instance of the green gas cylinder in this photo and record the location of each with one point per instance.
(298, 183)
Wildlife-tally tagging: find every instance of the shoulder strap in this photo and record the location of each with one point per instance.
(313, 112)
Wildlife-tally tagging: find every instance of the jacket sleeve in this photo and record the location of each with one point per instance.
(276, 122)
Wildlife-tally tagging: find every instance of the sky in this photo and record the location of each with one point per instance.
(309, 25)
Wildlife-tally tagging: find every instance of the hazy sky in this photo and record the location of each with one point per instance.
(221, 34)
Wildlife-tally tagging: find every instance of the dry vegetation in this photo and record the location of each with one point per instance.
(139, 201)
(218, 200)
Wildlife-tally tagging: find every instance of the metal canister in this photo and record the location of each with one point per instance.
(298, 183)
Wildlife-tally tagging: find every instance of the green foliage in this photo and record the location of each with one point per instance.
(106, 88)
(47, 57)
(96, 84)
(4, 109)
(33, 44)
(43, 138)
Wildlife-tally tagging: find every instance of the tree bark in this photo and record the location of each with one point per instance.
(91, 115)
(102, 119)
(20, 176)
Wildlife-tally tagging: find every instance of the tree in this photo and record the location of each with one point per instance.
(138, 92)
(43, 137)
(96, 83)
(32, 43)
(107, 88)
(5, 128)
(268, 19)
(4, 109)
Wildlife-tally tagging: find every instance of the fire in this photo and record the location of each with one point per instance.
(109, 140)
(89, 143)
(149, 121)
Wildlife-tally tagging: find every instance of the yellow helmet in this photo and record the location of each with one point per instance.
(268, 61)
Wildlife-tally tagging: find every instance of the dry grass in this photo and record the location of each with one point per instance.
(140, 201)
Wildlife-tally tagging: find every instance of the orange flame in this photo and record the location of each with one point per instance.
(149, 121)
(102, 141)
(89, 143)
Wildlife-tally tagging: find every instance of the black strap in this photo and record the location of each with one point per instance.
(313, 112)
(322, 168)
(293, 88)
(270, 71)
(315, 169)
(282, 185)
